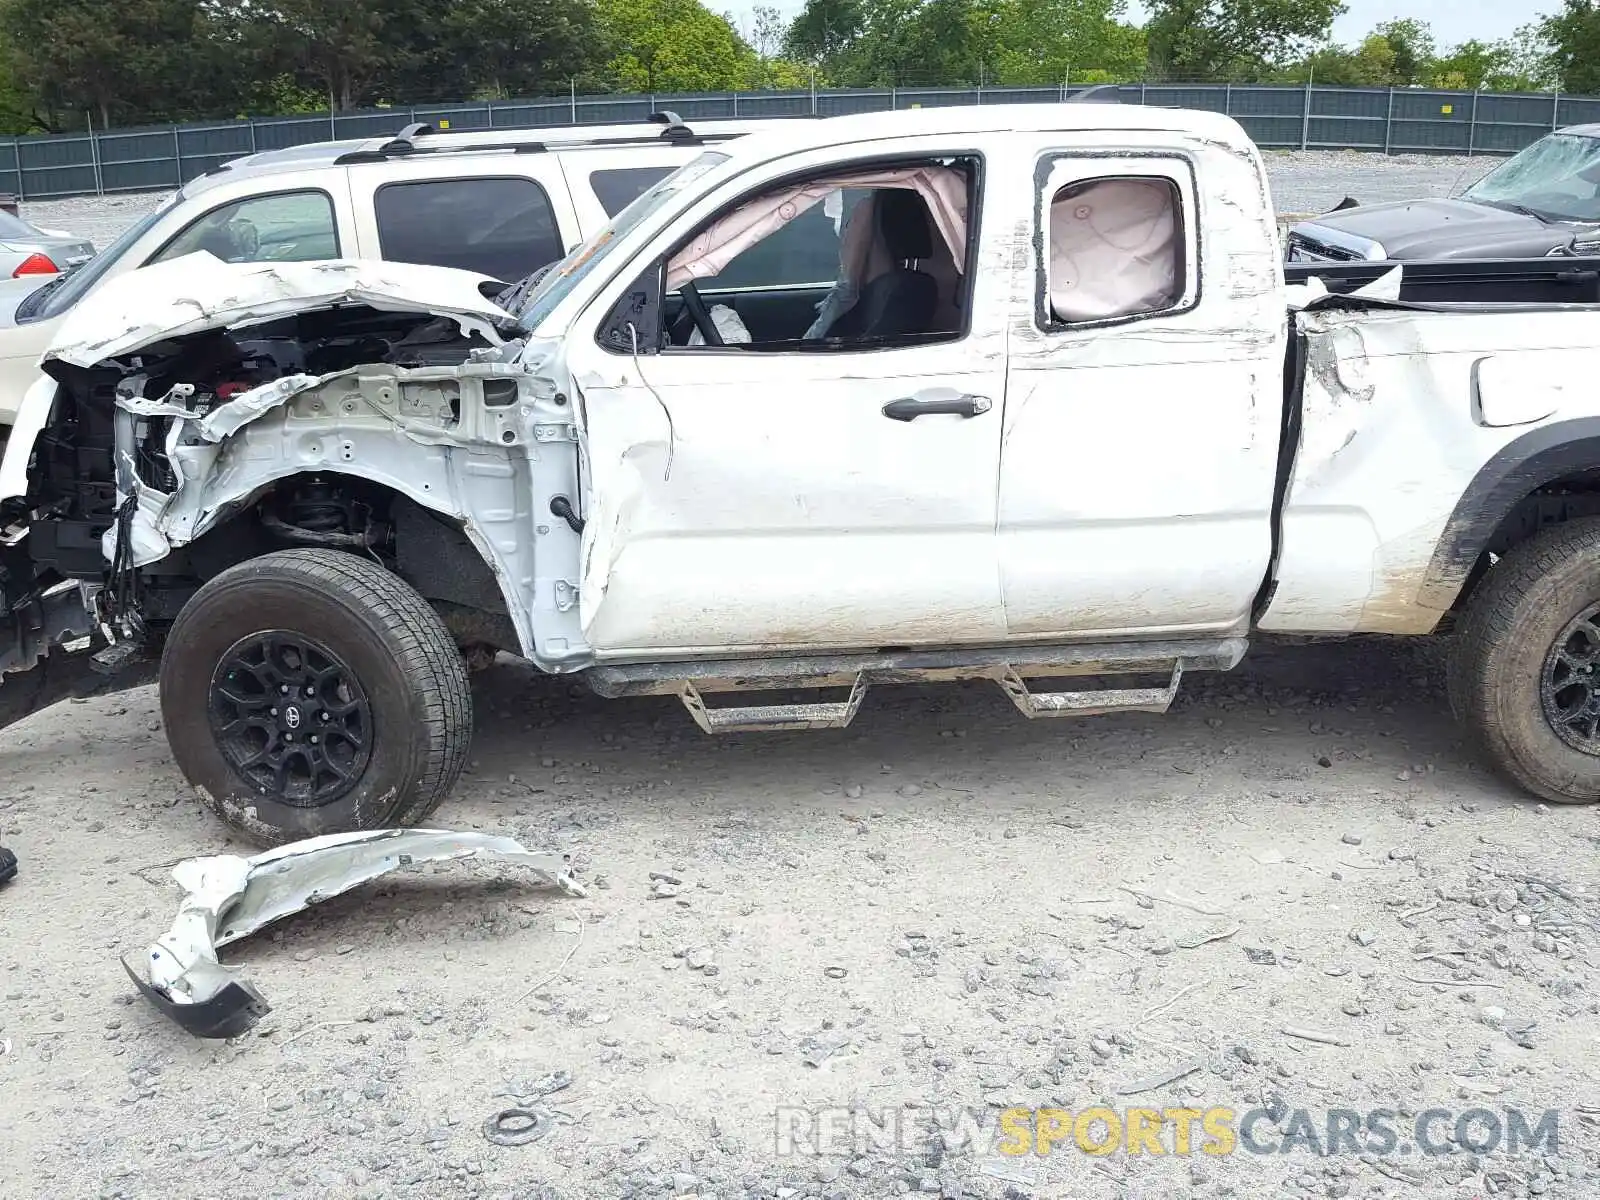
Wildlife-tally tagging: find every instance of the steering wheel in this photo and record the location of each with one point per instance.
(700, 314)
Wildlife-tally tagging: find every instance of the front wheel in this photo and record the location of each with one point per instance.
(1525, 667)
(309, 692)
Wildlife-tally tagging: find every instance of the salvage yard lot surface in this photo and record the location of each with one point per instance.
(1298, 892)
(944, 905)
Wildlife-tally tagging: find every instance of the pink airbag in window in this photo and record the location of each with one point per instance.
(1113, 249)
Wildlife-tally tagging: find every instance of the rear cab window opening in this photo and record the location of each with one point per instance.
(1114, 249)
(857, 256)
(502, 226)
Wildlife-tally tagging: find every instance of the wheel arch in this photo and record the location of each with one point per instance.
(442, 551)
(1548, 475)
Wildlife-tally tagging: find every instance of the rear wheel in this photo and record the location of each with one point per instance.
(309, 692)
(1525, 668)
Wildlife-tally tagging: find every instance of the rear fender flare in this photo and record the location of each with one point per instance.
(1517, 469)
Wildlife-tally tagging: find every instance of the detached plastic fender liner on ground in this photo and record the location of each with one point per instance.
(227, 898)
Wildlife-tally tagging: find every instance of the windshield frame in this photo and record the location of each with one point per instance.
(63, 292)
(567, 273)
(1512, 191)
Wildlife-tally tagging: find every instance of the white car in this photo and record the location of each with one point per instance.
(501, 203)
(32, 255)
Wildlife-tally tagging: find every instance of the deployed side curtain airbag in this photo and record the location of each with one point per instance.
(1113, 249)
(943, 189)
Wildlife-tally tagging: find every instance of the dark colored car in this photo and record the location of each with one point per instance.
(1544, 200)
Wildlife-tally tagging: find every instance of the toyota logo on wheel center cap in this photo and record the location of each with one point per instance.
(291, 717)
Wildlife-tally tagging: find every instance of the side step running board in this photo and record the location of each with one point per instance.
(759, 717)
(1008, 666)
(1091, 703)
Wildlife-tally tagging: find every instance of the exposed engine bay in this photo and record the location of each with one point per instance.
(74, 480)
(161, 465)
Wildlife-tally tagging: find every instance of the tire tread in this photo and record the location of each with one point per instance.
(1488, 630)
(423, 649)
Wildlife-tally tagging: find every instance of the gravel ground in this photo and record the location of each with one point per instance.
(1302, 183)
(1315, 181)
(945, 906)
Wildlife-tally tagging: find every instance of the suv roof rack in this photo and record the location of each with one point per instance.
(1100, 93)
(418, 138)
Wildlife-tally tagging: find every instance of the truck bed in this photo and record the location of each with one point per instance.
(1564, 280)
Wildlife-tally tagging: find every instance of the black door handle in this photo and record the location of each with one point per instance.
(908, 409)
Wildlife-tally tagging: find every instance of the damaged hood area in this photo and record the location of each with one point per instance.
(226, 898)
(200, 292)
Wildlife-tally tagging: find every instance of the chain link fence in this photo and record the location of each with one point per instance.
(1390, 121)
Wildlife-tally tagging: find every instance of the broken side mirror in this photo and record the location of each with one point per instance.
(633, 326)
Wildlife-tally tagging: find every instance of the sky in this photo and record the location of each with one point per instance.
(1453, 21)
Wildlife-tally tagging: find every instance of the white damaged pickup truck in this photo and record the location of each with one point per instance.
(1055, 419)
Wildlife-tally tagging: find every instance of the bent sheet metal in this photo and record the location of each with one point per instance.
(227, 897)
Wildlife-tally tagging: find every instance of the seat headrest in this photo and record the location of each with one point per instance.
(904, 223)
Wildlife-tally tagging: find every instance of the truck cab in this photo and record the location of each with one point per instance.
(983, 447)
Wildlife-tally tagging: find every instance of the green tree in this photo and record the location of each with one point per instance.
(825, 32)
(1471, 65)
(899, 42)
(1059, 41)
(1531, 60)
(18, 112)
(119, 60)
(1413, 46)
(1394, 54)
(1371, 64)
(1217, 40)
(1573, 33)
(671, 46)
(495, 49)
(767, 31)
(345, 44)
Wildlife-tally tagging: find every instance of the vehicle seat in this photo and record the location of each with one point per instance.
(219, 243)
(903, 299)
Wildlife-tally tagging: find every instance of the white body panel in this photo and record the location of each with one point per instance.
(794, 513)
(1397, 422)
(1136, 479)
(20, 348)
(31, 416)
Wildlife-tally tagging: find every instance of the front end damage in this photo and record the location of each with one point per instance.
(206, 413)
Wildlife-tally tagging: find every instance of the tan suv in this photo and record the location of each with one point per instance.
(501, 203)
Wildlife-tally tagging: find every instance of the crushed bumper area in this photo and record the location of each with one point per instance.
(227, 898)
